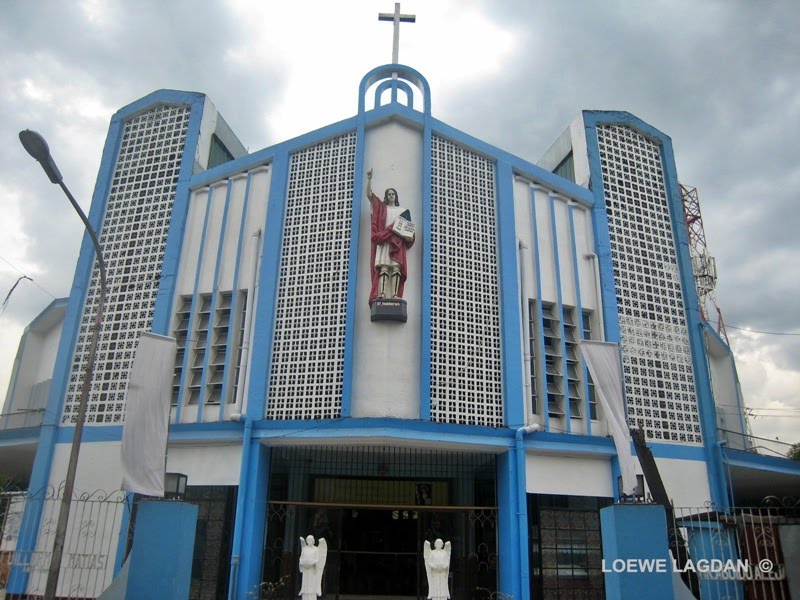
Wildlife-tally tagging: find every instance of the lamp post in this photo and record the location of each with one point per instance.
(37, 147)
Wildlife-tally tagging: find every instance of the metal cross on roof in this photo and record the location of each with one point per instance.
(396, 18)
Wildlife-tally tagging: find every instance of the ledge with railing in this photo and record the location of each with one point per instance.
(21, 419)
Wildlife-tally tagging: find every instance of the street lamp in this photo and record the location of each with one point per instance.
(38, 149)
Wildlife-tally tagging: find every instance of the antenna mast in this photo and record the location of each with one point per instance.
(703, 264)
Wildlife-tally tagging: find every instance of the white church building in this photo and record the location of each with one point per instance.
(461, 408)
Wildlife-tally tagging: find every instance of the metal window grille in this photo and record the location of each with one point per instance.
(133, 238)
(466, 366)
(657, 362)
(308, 346)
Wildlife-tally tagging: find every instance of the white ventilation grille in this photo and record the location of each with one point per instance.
(133, 237)
(659, 379)
(465, 316)
(308, 349)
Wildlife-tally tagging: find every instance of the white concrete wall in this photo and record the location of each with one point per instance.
(568, 476)
(387, 355)
(224, 236)
(577, 273)
(686, 481)
(35, 359)
(206, 464)
(727, 393)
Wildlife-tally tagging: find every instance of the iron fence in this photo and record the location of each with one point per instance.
(741, 554)
(26, 541)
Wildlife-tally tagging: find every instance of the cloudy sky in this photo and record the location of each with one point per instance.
(720, 77)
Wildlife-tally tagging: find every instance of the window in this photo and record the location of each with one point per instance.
(565, 547)
(218, 154)
(209, 342)
(532, 318)
(566, 168)
(591, 396)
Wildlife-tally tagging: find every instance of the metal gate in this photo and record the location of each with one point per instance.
(26, 542)
(744, 554)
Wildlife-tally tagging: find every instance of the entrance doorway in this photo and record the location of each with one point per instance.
(378, 553)
(375, 507)
(375, 553)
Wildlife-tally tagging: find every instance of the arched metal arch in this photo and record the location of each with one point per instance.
(403, 72)
(394, 84)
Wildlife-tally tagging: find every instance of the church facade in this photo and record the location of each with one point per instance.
(442, 394)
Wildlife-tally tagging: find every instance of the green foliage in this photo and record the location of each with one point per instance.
(269, 589)
(794, 452)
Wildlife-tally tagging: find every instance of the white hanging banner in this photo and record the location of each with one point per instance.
(603, 362)
(144, 434)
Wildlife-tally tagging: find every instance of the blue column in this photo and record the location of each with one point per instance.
(255, 518)
(508, 559)
(160, 565)
(636, 559)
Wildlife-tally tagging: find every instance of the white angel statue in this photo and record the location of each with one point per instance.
(437, 566)
(312, 564)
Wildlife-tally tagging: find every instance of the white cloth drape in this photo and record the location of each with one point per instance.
(144, 435)
(603, 362)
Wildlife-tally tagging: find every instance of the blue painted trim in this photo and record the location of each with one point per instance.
(402, 72)
(233, 350)
(750, 460)
(705, 401)
(520, 166)
(267, 155)
(579, 315)
(352, 270)
(559, 300)
(511, 343)
(508, 563)
(522, 516)
(252, 542)
(705, 398)
(541, 380)
(548, 442)
(239, 522)
(394, 84)
(34, 507)
(124, 524)
(676, 451)
(91, 433)
(264, 319)
(602, 239)
(426, 282)
(162, 310)
(20, 435)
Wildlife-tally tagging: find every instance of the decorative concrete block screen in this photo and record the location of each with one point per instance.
(308, 348)
(133, 237)
(465, 314)
(657, 361)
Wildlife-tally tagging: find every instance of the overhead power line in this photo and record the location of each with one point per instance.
(26, 276)
(729, 326)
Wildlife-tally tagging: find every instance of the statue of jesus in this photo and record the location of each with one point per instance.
(389, 263)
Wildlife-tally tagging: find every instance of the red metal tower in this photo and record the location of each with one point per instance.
(703, 264)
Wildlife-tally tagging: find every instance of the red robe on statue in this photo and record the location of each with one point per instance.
(380, 234)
